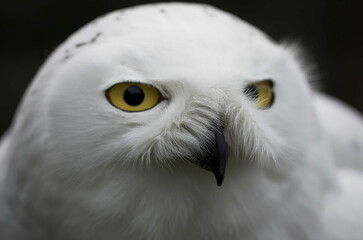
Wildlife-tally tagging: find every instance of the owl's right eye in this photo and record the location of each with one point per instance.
(133, 97)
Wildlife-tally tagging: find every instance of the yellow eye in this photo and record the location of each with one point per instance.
(261, 93)
(133, 97)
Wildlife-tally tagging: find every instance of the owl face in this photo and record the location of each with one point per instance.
(150, 89)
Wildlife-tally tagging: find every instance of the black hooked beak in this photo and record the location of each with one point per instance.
(216, 158)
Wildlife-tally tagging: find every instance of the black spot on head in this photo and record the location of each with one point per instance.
(95, 37)
(162, 10)
(92, 40)
(66, 57)
(81, 44)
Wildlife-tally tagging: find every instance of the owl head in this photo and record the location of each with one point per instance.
(168, 87)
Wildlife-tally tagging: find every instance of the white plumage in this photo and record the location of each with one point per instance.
(74, 166)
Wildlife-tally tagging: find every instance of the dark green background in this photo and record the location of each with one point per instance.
(331, 31)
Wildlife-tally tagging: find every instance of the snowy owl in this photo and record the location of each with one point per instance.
(179, 121)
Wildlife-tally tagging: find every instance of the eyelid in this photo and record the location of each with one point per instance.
(267, 80)
(164, 94)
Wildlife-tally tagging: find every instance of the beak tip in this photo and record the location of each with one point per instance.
(215, 160)
(219, 179)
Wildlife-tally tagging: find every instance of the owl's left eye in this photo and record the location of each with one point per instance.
(261, 93)
(133, 97)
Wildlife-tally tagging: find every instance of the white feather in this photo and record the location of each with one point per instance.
(75, 167)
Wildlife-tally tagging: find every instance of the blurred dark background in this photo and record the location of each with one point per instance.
(331, 31)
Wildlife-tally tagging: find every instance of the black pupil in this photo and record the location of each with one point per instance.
(252, 92)
(134, 95)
